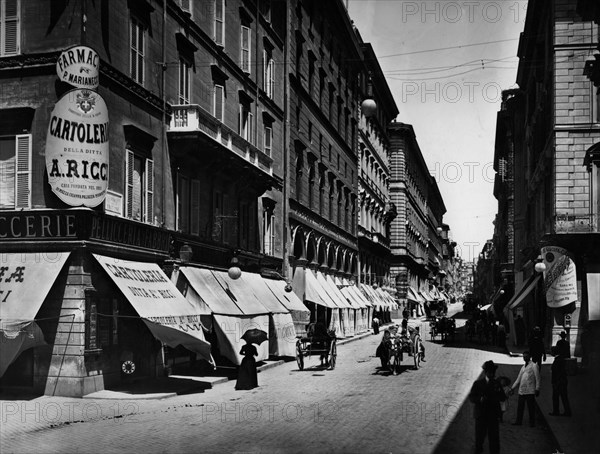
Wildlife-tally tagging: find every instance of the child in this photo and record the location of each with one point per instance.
(505, 383)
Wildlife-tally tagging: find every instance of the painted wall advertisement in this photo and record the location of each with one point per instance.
(560, 277)
(77, 148)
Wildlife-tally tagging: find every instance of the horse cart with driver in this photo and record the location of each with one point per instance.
(318, 341)
(394, 345)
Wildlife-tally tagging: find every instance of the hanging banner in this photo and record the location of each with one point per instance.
(79, 66)
(77, 148)
(560, 277)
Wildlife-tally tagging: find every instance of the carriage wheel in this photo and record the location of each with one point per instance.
(417, 356)
(332, 355)
(299, 356)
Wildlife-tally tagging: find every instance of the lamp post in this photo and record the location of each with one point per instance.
(369, 107)
(234, 272)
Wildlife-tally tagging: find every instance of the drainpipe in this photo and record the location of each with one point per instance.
(286, 146)
(164, 113)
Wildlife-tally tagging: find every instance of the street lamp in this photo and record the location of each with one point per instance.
(234, 272)
(186, 253)
(369, 107)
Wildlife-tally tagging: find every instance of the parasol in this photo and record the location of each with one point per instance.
(255, 336)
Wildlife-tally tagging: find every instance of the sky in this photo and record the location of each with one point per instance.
(446, 63)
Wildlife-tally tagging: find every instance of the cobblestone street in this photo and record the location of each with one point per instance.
(354, 408)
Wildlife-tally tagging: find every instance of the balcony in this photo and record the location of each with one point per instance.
(191, 119)
(586, 223)
(374, 237)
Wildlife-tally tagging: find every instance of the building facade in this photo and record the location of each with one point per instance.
(553, 125)
(416, 241)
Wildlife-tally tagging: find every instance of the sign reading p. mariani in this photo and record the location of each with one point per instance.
(77, 148)
(79, 66)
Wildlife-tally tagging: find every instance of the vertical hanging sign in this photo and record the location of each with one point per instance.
(560, 277)
(77, 145)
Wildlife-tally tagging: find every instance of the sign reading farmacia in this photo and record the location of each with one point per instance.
(79, 66)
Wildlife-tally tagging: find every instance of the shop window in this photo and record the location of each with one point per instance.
(139, 187)
(101, 321)
(15, 172)
(10, 27)
(137, 41)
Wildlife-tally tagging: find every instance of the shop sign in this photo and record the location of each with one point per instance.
(79, 66)
(560, 277)
(77, 148)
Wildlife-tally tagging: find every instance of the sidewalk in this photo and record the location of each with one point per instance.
(579, 433)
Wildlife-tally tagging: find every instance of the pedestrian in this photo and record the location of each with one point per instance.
(487, 394)
(502, 337)
(505, 383)
(536, 346)
(519, 330)
(383, 349)
(375, 325)
(247, 374)
(559, 384)
(562, 346)
(528, 382)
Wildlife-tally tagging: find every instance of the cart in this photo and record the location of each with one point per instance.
(318, 340)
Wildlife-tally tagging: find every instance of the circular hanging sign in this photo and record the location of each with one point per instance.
(77, 148)
(79, 66)
(128, 367)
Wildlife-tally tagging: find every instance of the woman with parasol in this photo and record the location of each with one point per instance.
(247, 374)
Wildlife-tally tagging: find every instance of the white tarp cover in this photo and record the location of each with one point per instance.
(170, 317)
(25, 281)
(230, 328)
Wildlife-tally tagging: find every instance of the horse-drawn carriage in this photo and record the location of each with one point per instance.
(318, 340)
(445, 327)
(394, 345)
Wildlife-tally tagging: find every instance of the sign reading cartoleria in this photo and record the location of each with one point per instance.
(77, 148)
(79, 66)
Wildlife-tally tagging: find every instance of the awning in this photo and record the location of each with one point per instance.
(359, 295)
(314, 291)
(289, 299)
(333, 291)
(169, 316)
(375, 298)
(26, 281)
(526, 288)
(485, 308)
(234, 308)
(413, 295)
(426, 296)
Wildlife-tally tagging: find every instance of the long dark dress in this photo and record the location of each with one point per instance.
(247, 375)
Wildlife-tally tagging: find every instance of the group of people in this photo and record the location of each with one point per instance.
(490, 395)
(393, 337)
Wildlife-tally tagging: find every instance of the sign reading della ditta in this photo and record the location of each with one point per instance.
(79, 66)
(77, 148)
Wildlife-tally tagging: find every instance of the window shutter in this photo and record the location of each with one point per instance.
(195, 208)
(23, 171)
(265, 63)
(271, 78)
(149, 185)
(129, 183)
(10, 31)
(272, 232)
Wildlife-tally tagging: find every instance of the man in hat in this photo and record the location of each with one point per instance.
(528, 382)
(536, 346)
(486, 394)
(559, 384)
(562, 346)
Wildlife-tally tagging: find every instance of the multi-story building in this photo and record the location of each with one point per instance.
(375, 208)
(415, 233)
(554, 124)
(189, 163)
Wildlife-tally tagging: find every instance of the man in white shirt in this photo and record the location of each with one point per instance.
(528, 382)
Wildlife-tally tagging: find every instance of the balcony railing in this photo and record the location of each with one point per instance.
(583, 223)
(375, 237)
(192, 118)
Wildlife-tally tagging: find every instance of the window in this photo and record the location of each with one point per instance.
(244, 220)
(10, 28)
(15, 172)
(220, 22)
(268, 232)
(268, 140)
(184, 81)
(246, 123)
(311, 185)
(268, 73)
(299, 174)
(188, 205)
(101, 320)
(219, 102)
(217, 232)
(137, 43)
(139, 187)
(245, 48)
(321, 191)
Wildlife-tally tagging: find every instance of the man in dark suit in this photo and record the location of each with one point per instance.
(487, 394)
